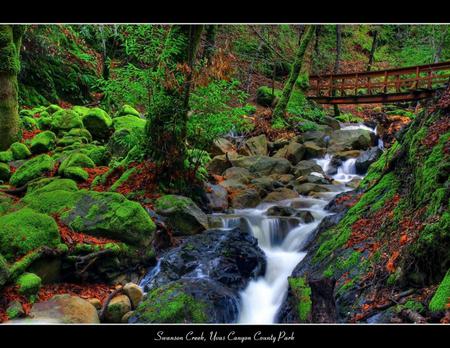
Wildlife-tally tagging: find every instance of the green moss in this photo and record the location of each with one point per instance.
(98, 123)
(302, 293)
(6, 156)
(43, 142)
(19, 151)
(172, 202)
(441, 298)
(64, 120)
(413, 305)
(123, 178)
(170, 304)
(81, 110)
(32, 169)
(51, 184)
(49, 202)
(4, 271)
(264, 96)
(25, 230)
(44, 122)
(127, 110)
(53, 108)
(348, 285)
(28, 123)
(128, 122)
(75, 159)
(80, 132)
(76, 173)
(5, 172)
(29, 284)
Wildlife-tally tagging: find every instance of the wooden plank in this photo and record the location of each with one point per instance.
(380, 98)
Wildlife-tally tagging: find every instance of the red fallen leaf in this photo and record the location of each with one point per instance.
(403, 239)
(390, 264)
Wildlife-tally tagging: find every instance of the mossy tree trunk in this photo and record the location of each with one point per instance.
(210, 45)
(280, 109)
(168, 111)
(10, 43)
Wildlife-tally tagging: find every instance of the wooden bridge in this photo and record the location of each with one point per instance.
(382, 86)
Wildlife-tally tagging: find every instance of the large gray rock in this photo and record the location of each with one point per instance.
(312, 150)
(248, 198)
(182, 214)
(64, 309)
(293, 152)
(263, 165)
(357, 139)
(316, 137)
(220, 163)
(307, 188)
(255, 146)
(239, 174)
(280, 194)
(221, 146)
(331, 122)
(366, 159)
(304, 168)
(217, 197)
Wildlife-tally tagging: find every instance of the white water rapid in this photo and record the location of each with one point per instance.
(283, 244)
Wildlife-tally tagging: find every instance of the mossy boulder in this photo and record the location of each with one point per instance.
(52, 108)
(52, 184)
(25, 230)
(110, 215)
(127, 110)
(4, 271)
(32, 169)
(43, 142)
(5, 172)
(28, 123)
(6, 156)
(44, 122)
(6, 202)
(98, 123)
(20, 151)
(441, 298)
(29, 284)
(76, 173)
(182, 214)
(81, 110)
(128, 122)
(188, 301)
(64, 120)
(117, 308)
(76, 160)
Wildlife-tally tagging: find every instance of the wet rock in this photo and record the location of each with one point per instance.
(217, 197)
(182, 214)
(312, 150)
(304, 168)
(280, 194)
(134, 292)
(241, 175)
(263, 165)
(293, 152)
(199, 300)
(306, 189)
(264, 185)
(305, 215)
(322, 298)
(64, 309)
(316, 137)
(345, 155)
(279, 144)
(231, 258)
(220, 163)
(356, 139)
(366, 159)
(117, 308)
(281, 211)
(232, 185)
(354, 183)
(284, 179)
(255, 146)
(248, 198)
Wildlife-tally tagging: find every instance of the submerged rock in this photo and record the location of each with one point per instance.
(366, 159)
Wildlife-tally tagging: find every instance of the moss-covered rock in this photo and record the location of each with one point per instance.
(441, 299)
(98, 123)
(6, 156)
(29, 284)
(76, 173)
(43, 142)
(117, 308)
(81, 110)
(76, 160)
(52, 184)
(183, 215)
(5, 172)
(6, 203)
(110, 215)
(64, 120)
(32, 169)
(127, 110)
(128, 122)
(52, 108)
(264, 96)
(44, 122)
(302, 293)
(28, 123)
(4, 271)
(25, 230)
(20, 151)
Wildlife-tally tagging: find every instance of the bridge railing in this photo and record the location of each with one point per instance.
(382, 82)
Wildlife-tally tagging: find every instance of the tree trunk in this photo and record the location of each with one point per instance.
(10, 43)
(167, 119)
(211, 33)
(337, 62)
(372, 50)
(280, 109)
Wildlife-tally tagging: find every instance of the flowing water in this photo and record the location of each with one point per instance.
(282, 240)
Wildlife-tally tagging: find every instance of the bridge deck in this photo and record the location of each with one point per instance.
(382, 86)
